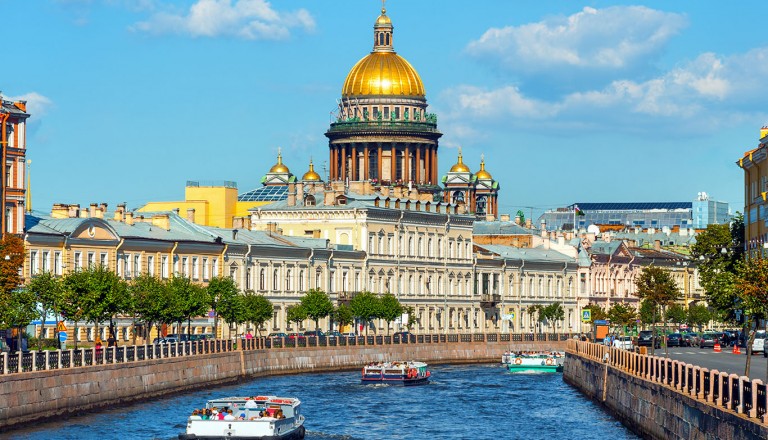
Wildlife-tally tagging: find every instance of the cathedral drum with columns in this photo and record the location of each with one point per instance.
(383, 132)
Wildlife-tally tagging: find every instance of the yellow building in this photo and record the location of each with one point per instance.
(755, 166)
(210, 204)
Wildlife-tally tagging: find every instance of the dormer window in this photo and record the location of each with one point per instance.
(309, 200)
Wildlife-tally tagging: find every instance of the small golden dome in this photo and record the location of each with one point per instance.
(279, 167)
(383, 19)
(311, 175)
(383, 73)
(483, 174)
(460, 167)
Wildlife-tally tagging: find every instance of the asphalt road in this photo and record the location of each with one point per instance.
(723, 361)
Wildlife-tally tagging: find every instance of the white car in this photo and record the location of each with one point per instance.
(759, 345)
(624, 342)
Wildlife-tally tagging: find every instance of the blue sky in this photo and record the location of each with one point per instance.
(593, 101)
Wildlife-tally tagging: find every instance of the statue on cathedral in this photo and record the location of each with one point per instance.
(521, 214)
(365, 114)
(405, 115)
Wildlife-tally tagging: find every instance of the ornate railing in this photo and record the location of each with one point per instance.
(730, 392)
(30, 361)
(384, 125)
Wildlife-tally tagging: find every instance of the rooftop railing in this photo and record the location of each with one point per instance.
(346, 126)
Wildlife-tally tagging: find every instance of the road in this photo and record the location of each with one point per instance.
(723, 361)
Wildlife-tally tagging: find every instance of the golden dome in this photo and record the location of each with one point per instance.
(460, 167)
(383, 19)
(383, 73)
(311, 175)
(483, 174)
(279, 167)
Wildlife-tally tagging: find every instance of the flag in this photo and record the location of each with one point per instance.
(578, 210)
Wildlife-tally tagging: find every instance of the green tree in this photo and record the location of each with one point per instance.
(597, 312)
(20, 311)
(47, 291)
(657, 286)
(192, 300)
(231, 309)
(365, 307)
(220, 290)
(258, 309)
(622, 315)
(389, 309)
(649, 312)
(553, 313)
(145, 292)
(698, 315)
(343, 315)
(752, 285)
(534, 311)
(317, 305)
(102, 295)
(411, 312)
(676, 314)
(295, 313)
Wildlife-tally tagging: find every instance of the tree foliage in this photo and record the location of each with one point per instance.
(221, 290)
(657, 287)
(597, 312)
(622, 315)
(365, 307)
(47, 291)
(317, 305)
(389, 308)
(295, 313)
(676, 314)
(698, 315)
(649, 312)
(258, 309)
(343, 315)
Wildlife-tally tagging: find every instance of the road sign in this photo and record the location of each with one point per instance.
(62, 336)
(60, 327)
(683, 327)
(586, 315)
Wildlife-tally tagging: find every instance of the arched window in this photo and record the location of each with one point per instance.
(288, 280)
(309, 200)
(421, 247)
(480, 205)
(262, 279)
(410, 246)
(381, 38)
(429, 247)
(248, 279)
(275, 280)
(301, 280)
(458, 198)
(389, 39)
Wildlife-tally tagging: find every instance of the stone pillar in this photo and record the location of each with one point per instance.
(378, 164)
(354, 163)
(58, 358)
(406, 164)
(427, 164)
(723, 381)
(703, 372)
(712, 375)
(434, 165)
(393, 164)
(344, 163)
(418, 164)
(366, 166)
(741, 379)
(753, 412)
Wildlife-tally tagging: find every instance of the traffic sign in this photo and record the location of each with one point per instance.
(586, 315)
(62, 336)
(60, 327)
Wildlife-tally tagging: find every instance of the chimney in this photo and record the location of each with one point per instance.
(291, 194)
(247, 222)
(120, 212)
(316, 233)
(300, 193)
(504, 217)
(528, 223)
(162, 221)
(657, 245)
(234, 234)
(489, 217)
(60, 210)
(191, 215)
(176, 211)
(101, 210)
(328, 198)
(271, 228)
(92, 210)
(517, 219)
(129, 218)
(237, 222)
(74, 211)
(385, 191)
(543, 225)
(763, 131)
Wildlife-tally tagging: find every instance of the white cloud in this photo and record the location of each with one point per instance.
(248, 19)
(37, 104)
(702, 94)
(613, 38)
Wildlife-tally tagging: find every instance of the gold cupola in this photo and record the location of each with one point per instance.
(311, 175)
(483, 174)
(460, 167)
(383, 72)
(279, 167)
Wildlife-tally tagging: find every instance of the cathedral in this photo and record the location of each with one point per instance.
(385, 135)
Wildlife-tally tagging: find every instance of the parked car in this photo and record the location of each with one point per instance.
(166, 340)
(645, 339)
(758, 345)
(295, 335)
(349, 335)
(624, 342)
(708, 340)
(691, 339)
(674, 340)
(402, 336)
(277, 335)
(317, 333)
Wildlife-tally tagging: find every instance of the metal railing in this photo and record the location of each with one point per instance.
(30, 361)
(731, 392)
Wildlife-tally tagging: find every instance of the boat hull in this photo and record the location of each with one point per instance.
(536, 368)
(397, 381)
(297, 434)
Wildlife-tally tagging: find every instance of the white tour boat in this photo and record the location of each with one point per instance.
(258, 418)
(396, 373)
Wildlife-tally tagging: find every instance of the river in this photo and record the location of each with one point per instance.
(461, 402)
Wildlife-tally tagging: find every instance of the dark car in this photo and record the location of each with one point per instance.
(674, 340)
(277, 335)
(708, 340)
(316, 333)
(402, 336)
(645, 339)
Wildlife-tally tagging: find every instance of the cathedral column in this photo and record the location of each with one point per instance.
(378, 176)
(406, 165)
(354, 162)
(333, 161)
(418, 164)
(344, 163)
(393, 164)
(365, 175)
(428, 164)
(434, 165)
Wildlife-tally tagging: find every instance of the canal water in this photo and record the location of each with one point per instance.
(461, 402)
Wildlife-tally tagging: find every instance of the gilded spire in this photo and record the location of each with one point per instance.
(483, 174)
(311, 175)
(382, 32)
(279, 167)
(460, 167)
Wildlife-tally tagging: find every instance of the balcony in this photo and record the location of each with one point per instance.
(383, 126)
(490, 300)
(345, 297)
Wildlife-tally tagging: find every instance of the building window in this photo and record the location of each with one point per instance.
(215, 267)
(205, 269)
(91, 260)
(301, 281)
(103, 260)
(164, 266)
(46, 263)
(57, 263)
(195, 269)
(318, 278)
(137, 264)
(8, 176)
(8, 220)
(275, 280)
(288, 280)
(151, 265)
(33, 268)
(185, 266)
(262, 280)
(78, 260)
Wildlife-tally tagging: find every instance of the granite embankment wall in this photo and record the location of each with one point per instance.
(663, 399)
(37, 395)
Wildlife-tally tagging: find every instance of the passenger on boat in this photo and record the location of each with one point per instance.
(229, 416)
(250, 403)
(195, 415)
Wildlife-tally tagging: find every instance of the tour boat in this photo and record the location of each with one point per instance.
(266, 418)
(396, 373)
(546, 363)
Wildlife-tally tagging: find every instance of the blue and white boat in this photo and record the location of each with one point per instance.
(396, 373)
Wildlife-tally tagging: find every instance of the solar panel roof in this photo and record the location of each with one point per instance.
(633, 206)
(265, 194)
